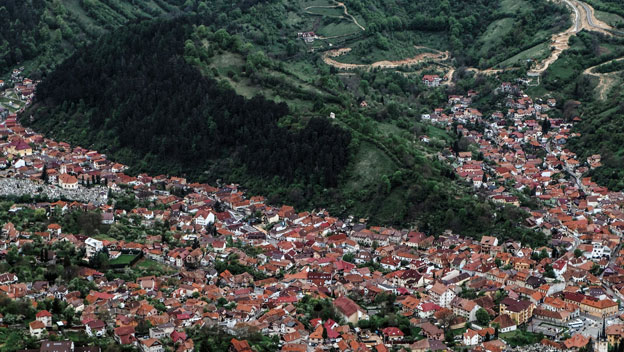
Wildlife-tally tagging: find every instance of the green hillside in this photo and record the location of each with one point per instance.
(41, 33)
(38, 34)
(600, 96)
(164, 97)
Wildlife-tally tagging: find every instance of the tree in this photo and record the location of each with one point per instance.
(545, 126)
(44, 173)
(549, 271)
(348, 257)
(578, 253)
(143, 327)
(483, 318)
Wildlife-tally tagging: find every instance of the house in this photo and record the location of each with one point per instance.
(431, 80)
(219, 246)
(519, 310)
(204, 218)
(471, 338)
(67, 181)
(465, 308)
(487, 242)
(151, 345)
(37, 329)
(57, 346)
(432, 331)
(20, 148)
(598, 308)
(108, 218)
(427, 345)
(54, 229)
(441, 295)
(504, 323)
(392, 334)
(125, 335)
(615, 333)
(575, 342)
(45, 317)
(350, 310)
(8, 278)
(96, 328)
(240, 346)
(93, 246)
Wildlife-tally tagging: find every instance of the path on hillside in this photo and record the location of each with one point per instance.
(436, 56)
(583, 19)
(605, 80)
(338, 4)
(590, 21)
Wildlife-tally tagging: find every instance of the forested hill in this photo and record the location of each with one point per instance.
(40, 33)
(134, 96)
(138, 95)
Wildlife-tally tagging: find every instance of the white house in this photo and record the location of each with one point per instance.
(93, 246)
(37, 329)
(45, 317)
(441, 294)
(67, 181)
(151, 345)
(471, 338)
(204, 218)
(96, 328)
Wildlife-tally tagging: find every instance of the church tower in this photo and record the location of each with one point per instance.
(602, 345)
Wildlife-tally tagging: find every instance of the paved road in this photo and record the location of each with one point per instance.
(590, 19)
(577, 16)
(588, 14)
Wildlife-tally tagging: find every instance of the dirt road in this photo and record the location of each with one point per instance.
(437, 56)
(583, 16)
(605, 80)
(583, 19)
(338, 4)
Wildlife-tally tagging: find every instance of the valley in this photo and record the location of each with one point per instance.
(272, 175)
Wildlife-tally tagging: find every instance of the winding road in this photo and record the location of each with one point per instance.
(583, 19)
(435, 56)
(605, 80)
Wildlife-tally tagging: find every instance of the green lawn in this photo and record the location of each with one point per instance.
(539, 51)
(435, 132)
(152, 266)
(609, 18)
(104, 237)
(496, 30)
(366, 52)
(124, 259)
(370, 163)
(326, 11)
(521, 338)
(316, 3)
(341, 28)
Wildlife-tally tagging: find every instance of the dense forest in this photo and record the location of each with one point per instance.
(133, 95)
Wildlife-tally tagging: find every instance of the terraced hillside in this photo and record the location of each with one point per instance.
(41, 33)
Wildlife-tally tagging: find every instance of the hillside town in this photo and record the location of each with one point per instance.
(156, 262)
